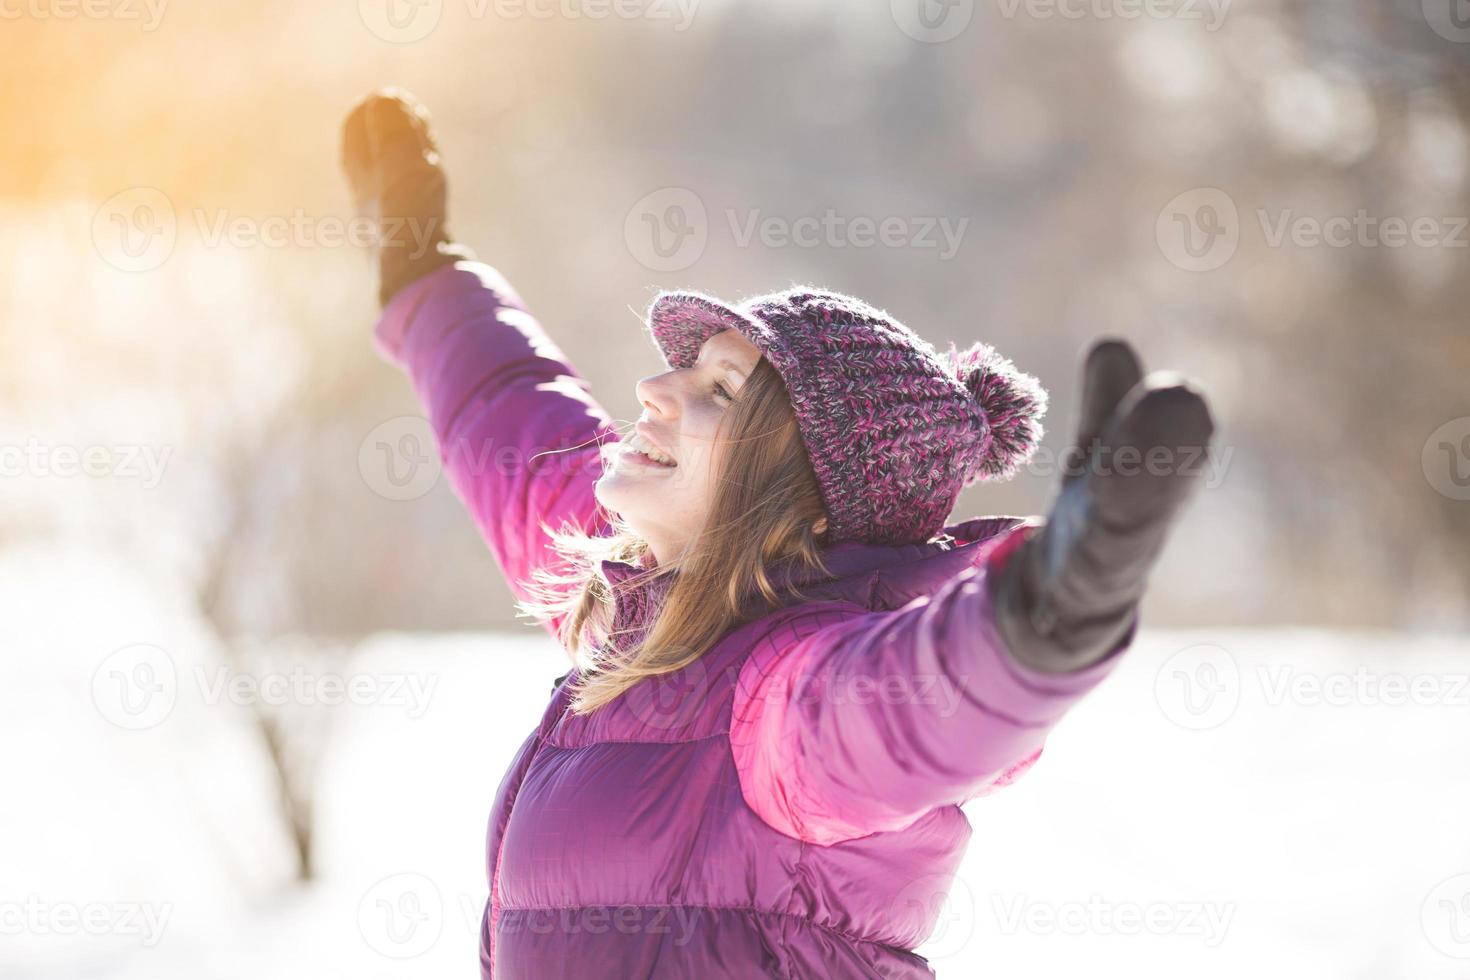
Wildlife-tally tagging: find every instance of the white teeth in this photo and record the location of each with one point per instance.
(639, 444)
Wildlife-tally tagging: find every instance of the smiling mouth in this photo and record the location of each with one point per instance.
(643, 449)
(642, 458)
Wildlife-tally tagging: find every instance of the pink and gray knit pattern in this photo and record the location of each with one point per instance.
(894, 430)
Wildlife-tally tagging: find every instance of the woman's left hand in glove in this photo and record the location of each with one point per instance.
(1069, 593)
(394, 173)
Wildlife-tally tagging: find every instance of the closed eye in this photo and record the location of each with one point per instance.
(722, 391)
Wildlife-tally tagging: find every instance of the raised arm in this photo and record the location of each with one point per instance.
(518, 432)
(850, 722)
(517, 429)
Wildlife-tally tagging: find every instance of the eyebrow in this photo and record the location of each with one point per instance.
(725, 362)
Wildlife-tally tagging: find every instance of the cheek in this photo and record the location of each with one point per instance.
(692, 482)
(700, 466)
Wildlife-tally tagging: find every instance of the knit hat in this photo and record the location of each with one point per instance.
(893, 429)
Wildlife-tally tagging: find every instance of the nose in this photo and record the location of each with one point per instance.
(657, 397)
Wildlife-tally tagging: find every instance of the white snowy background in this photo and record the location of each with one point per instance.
(1254, 804)
(1229, 803)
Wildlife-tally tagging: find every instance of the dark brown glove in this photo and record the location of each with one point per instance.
(394, 174)
(1070, 592)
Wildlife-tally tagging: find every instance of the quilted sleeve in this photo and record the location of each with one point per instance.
(848, 722)
(517, 429)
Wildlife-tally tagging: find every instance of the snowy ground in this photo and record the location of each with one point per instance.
(1230, 803)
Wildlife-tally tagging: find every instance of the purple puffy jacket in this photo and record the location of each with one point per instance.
(786, 806)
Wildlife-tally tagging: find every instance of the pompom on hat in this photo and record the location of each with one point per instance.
(894, 429)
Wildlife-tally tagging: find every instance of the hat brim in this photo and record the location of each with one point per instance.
(680, 323)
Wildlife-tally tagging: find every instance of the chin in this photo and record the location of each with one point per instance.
(642, 504)
(625, 496)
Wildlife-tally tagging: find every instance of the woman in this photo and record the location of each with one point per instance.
(788, 671)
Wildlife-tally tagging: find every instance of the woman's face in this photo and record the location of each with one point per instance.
(682, 410)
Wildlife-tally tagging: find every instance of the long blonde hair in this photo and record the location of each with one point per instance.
(764, 513)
